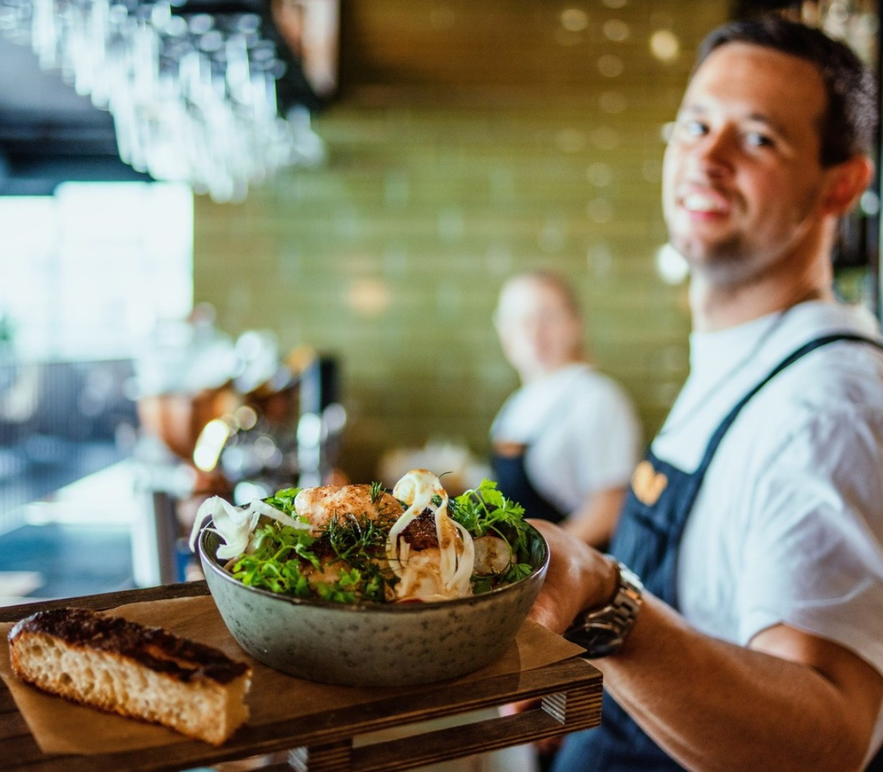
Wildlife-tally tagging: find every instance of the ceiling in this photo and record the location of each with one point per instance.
(47, 133)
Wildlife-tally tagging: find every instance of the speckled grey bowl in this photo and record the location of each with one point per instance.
(373, 645)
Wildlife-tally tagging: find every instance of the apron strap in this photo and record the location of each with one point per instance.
(799, 353)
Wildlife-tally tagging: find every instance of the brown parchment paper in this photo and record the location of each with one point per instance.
(60, 726)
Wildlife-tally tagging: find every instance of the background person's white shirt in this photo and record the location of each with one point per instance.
(581, 431)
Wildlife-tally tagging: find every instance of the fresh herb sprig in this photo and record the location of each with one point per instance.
(355, 540)
(284, 501)
(281, 558)
(484, 510)
(278, 553)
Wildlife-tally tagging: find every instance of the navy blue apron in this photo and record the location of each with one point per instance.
(647, 541)
(514, 483)
(513, 480)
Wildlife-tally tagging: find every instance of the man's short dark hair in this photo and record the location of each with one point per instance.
(850, 118)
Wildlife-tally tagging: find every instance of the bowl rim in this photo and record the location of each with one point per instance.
(368, 606)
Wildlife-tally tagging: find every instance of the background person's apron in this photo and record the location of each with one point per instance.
(647, 541)
(512, 479)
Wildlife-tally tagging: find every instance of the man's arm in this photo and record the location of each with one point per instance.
(790, 701)
(595, 520)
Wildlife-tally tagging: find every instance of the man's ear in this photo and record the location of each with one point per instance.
(847, 181)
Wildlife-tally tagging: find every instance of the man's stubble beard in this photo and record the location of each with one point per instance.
(723, 264)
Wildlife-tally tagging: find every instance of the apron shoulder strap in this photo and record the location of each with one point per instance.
(789, 360)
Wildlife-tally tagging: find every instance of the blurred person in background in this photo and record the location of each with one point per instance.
(566, 442)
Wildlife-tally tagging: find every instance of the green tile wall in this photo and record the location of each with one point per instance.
(441, 184)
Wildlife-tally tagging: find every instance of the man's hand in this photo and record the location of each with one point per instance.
(579, 577)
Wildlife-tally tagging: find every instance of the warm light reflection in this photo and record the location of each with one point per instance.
(610, 66)
(210, 443)
(369, 297)
(246, 417)
(310, 29)
(574, 19)
(665, 46)
(616, 30)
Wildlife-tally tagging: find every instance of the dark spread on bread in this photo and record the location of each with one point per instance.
(152, 647)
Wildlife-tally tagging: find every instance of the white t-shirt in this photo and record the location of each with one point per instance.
(581, 431)
(788, 524)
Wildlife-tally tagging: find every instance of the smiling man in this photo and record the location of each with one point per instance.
(749, 187)
(756, 521)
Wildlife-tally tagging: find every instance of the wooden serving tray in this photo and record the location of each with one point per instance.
(335, 740)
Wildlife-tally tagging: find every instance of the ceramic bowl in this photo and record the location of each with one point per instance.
(373, 644)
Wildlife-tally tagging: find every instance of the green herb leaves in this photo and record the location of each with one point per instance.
(279, 553)
(484, 510)
(341, 565)
(284, 501)
(356, 540)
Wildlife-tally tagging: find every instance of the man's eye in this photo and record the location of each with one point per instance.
(686, 130)
(757, 139)
(694, 128)
(683, 130)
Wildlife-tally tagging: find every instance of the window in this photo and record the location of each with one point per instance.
(88, 272)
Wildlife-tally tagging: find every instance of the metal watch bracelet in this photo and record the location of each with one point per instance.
(602, 631)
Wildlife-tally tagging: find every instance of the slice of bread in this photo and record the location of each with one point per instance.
(122, 667)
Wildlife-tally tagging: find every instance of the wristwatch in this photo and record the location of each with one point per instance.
(602, 631)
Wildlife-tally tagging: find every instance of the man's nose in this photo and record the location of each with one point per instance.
(715, 152)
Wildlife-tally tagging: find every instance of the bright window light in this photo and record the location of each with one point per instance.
(88, 272)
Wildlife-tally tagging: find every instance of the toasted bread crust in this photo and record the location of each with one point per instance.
(122, 667)
(151, 647)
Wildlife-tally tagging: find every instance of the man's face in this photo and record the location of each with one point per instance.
(742, 180)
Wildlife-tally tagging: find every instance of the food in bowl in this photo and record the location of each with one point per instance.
(359, 543)
(413, 609)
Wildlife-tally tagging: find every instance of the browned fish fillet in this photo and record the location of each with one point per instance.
(325, 503)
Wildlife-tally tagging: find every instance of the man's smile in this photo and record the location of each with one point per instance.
(703, 201)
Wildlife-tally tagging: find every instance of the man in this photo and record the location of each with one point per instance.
(756, 523)
(566, 442)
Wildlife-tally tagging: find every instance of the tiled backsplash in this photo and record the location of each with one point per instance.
(390, 257)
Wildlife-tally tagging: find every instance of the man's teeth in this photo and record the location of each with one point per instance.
(697, 202)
